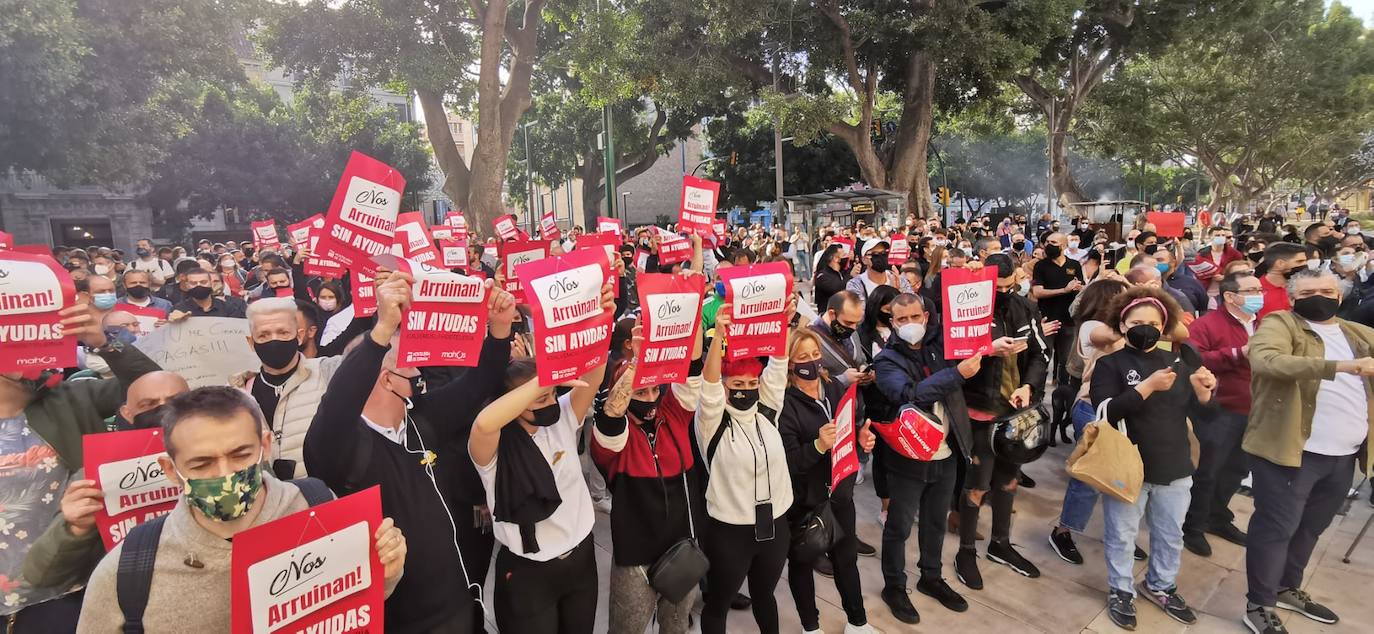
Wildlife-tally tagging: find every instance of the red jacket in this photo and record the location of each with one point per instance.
(1205, 268)
(1219, 336)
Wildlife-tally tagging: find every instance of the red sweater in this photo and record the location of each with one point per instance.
(1204, 257)
(1219, 336)
(1275, 297)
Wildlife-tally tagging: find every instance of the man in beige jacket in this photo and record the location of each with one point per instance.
(1310, 423)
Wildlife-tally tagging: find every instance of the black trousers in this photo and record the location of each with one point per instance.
(1293, 505)
(928, 498)
(475, 544)
(50, 617)
(995, 476)
(801, 579)
(1061, 343)
(555, 597)
(735, 557)
(1222, 465)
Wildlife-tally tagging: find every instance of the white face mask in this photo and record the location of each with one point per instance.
(912, 333)
(1073, 243)
(1313, 265)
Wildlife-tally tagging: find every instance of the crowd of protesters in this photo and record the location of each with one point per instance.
(1240, 348)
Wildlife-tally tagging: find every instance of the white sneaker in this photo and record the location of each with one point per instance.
(815, 631)
(602, 505)
(866, 628)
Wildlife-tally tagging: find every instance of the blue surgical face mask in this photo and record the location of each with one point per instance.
(103, 301)
(1163, 267)
(1253, 304)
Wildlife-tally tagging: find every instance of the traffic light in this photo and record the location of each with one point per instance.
(944, 196)
(734, 158)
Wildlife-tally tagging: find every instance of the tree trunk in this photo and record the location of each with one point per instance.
(1066, 187)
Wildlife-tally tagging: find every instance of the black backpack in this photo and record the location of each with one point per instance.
(135, 577)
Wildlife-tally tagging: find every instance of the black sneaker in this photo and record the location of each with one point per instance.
(1025, 481)
(823, 566)
(1062, 543)
(1171, 603)
(1140, 554)
(1302, 603)
(1196, 543)
(740, 602)
(1263, 621)
(1121, 609)
(866, 549)
(940, 591)
(900, 605)
(1230, 533)
(966, 568)
(1003, 553)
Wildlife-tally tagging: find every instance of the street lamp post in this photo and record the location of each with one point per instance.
(529, 178)
(624, 206)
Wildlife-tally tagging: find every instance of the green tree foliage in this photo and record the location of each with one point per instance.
(248, 150)
(823, 164)
(94, 91)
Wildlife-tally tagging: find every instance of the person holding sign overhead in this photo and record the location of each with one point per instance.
(809, 433)
(749, 490)
(524, 445)
(216, 441)
(378, 424)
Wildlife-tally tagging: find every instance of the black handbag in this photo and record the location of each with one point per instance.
(683, 565)
(816, 534)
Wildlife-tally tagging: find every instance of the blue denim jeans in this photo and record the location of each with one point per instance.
(1079, 498)
(1164, 507)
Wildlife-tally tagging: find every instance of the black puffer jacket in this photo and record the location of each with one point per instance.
(800, 423)
(1012, 316)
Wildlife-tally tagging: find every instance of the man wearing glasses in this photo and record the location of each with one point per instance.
(1222, 336)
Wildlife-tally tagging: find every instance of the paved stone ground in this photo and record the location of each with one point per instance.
(1068, 598)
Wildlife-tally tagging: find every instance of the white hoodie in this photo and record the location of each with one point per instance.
(750, 463)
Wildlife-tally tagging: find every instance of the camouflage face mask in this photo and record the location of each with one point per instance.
(227, 497)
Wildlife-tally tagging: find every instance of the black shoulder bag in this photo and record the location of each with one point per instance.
(817, 533)
(683, 565)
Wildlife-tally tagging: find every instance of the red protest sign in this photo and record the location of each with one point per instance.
(898, 250)
(147, 316)
(299, 233)
(913, 435)
(33, 288)
(613, 225)
(1167, 224)
(364, 294)
(758, 296)
(846, 246)
(698, 209)
(412, 240)
(641, 259)
(505, 227)
(457, 226)
(670, 313)
(454, 253)
(447, 318)
(316, 570)
(720, 228)
(265, 235)
(968, 299)
(125, 469)
(607, 243)
(318, 266)
(844, 456)
(674, 249)
(548, 227)
(362, 216)
(515, 253)
(570, 327)
(6, 240)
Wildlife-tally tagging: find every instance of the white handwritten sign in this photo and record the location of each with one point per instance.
(203, 350)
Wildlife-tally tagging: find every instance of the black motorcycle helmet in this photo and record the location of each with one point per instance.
(1022, 436)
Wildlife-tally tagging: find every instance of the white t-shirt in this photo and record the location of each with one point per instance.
(1340, 419)
(1085, 331)
(572, 521)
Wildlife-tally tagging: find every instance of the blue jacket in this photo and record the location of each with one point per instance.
(920, 377)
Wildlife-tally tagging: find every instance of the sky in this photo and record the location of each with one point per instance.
(1362, 8)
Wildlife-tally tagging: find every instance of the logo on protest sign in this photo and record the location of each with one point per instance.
(362, 216)
(670, 315)
(316, 570)
(454, 253)
(844, 457)
(968, 300)
(570, 326)
(758, 296)
(33, 288)
(698, 210)
(124, 466)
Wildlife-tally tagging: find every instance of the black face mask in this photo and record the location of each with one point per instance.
(880, 262)
(137, 292)
(1150, 249)
(278, 353)
(1142, 337)
(885, 318)
(546, 416)
(809, 371)
(1052, 251)
(643, 410)
(1255, 257)
(149, 419)
(840, 330)
(1316, 308)
(199, 293)
(1019, 246)
(142, 253)
(744, 399)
